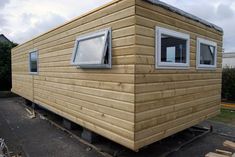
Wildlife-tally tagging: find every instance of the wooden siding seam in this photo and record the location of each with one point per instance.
(86, 100)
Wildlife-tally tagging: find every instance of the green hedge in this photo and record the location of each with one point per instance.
(5, 65)
(228, 84)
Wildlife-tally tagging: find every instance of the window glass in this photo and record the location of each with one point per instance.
(173, 49)
(90, 51)
(33, 62)
(207, 55)
(93, 50)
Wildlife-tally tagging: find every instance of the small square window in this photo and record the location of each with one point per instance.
(33, 62)
(206, 54)
(172, 49)
(93, 50)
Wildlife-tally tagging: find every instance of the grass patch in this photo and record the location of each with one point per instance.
(226, 116)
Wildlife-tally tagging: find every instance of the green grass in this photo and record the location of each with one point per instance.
(226, 116)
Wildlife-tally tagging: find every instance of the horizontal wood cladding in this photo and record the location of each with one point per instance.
(128, 29)
(176, 120)
(121, 96)
(23, 85)
(152, 78)
(114, 86)
(162, 110)
(101, 100)
(169, 100)
(151, 96)
(160, 103)
(107, 14)
(172, 127)
(89, 108)
(116, 69)
(22, 82)
(175, 85)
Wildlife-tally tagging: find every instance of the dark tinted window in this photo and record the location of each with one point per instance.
(207, 55)
(173, 50)
(33, 62)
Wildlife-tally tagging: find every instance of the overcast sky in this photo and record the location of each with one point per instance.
(20, 20)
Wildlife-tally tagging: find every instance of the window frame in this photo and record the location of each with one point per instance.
(159, 31)
(198, 60)
(106, 47)
(30, 52)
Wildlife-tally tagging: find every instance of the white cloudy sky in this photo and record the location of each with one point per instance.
(21, 20)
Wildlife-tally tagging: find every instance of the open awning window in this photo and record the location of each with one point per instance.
(93, 50)
(206, 54)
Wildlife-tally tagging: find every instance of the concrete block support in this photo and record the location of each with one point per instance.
(34, 106)
(89, 136)
(69, 125)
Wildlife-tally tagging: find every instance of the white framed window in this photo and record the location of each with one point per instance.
(33, 62)
(93, 50)
(172, 49)
(206, 54)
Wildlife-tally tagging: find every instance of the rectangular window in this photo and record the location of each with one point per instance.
(172, 49)
(93, 50)
(33, 62)
(206, 54)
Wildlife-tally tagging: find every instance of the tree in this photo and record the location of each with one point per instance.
(5, 65)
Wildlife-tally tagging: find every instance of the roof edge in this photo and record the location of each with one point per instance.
(68, 22)
(185, 14)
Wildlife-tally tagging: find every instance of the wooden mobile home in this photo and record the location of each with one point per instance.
(133, 71)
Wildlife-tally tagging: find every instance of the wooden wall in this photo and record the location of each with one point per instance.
(133, 103)
(168, 101)
(22, 82)
(100, 100)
